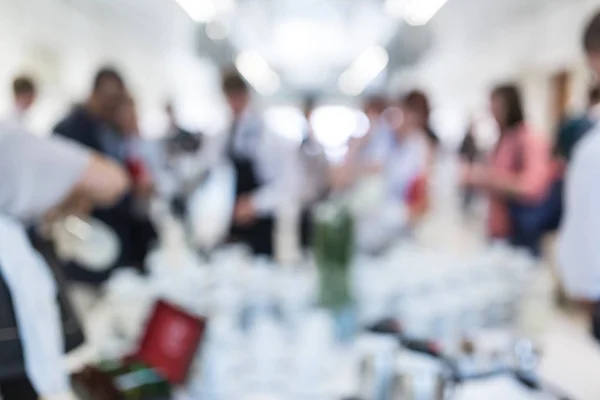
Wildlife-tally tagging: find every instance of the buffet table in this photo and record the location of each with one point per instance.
(116, 321)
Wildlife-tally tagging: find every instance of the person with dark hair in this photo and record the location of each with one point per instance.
(572, 130)
(24, 95)
(413, 130)
(401, 172)
(95, 124)
(418, 101)
(578, 250)
(518, 175)
(268, 166)
(85, 123)
(469, 154)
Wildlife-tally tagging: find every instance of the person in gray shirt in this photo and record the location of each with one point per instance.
(40, 177)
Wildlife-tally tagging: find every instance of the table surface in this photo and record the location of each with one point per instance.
(571, 361)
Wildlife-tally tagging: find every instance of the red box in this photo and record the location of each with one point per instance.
(171, 341)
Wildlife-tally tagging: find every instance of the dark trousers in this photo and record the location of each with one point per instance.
(17, 389)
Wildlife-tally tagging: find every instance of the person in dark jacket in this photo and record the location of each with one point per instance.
(469, 154)
(573, 129)
(95, 125)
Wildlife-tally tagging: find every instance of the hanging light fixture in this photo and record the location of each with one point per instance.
(420, 12)
(218, 29)
(199, 10)
(414, 12)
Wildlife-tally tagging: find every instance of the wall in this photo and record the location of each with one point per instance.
(528, 48)
(63, 42)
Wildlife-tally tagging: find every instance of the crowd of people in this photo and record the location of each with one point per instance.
(97, 163)
(535, 188)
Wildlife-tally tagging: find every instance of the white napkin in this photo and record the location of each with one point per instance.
(211, 207)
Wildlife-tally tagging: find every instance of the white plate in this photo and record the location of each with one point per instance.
(91, 243)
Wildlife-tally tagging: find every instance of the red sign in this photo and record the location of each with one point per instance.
(171, 341)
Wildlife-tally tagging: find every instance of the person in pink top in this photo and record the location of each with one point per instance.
(517, 175)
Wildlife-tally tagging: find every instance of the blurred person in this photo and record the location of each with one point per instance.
(367, 154)
(421, 103)
(268, 169)
(371, 149)
(570, 133)
(41, 178)
(573, 129)
(88, 123)
(413, 143)
(24, 95)
(139, 165)
(97, 124)
(314, 160)
(178, 139)
(469, 154)
(517, 177)
(578, 251)
(404, 172)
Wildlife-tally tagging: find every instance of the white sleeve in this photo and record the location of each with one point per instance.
(37, 173)
(578, 244)
(286, 184)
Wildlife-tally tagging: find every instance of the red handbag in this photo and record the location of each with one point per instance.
(171, 341)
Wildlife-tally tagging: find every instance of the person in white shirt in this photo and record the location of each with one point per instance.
(268, 168)
(403, 170)
(367, 154)
(314, 160)
(578, 249)
(40, 177)
(24, 95)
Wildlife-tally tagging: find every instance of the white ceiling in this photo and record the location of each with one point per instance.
(310, 41)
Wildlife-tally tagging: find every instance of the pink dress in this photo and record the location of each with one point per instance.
(533, 173)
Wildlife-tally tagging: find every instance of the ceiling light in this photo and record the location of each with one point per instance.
(257, 72)
(395, 8)
(420, 12)
(225, 6)
(363, 71)
(218, 29)
(198, 10)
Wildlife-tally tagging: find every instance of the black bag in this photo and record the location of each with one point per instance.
(11, 352)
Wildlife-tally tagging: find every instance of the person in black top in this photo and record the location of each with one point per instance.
(267, 168)
(94, 124)
(86, 123)
(469, 154)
